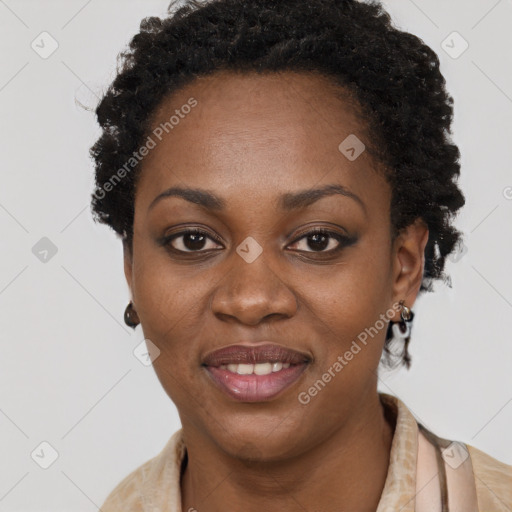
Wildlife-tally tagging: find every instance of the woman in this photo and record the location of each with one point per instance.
(283, 180)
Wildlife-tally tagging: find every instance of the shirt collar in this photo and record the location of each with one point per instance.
(400, 486)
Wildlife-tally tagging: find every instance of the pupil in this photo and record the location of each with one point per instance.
(194, 237)
(323, 244)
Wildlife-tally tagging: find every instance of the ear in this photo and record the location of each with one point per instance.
(128, 264)
(409, 262)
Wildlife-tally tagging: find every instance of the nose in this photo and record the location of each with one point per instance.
(251, 292)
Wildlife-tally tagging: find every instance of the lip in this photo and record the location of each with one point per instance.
(255, 388)
(241, 353)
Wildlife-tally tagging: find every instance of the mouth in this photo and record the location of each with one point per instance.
(255, 373)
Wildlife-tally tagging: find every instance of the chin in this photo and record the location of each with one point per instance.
(253, 442)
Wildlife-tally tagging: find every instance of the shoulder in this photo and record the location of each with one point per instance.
(155, 480)
(491, 478)
(493, 481)
(128, 496)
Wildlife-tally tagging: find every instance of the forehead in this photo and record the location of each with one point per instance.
(250, 132)
(257, 107)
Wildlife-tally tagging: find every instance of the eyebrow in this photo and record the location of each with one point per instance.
(287, 202)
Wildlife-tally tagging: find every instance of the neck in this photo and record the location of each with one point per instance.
(346, 472)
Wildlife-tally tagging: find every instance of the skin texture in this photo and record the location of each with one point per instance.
(249, 140)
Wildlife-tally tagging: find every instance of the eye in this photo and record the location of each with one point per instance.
(192, 241)
(196, 241)
(320, 238)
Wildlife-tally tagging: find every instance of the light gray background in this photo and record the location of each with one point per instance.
(67, 372)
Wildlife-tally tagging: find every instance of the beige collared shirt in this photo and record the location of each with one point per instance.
(419, 464)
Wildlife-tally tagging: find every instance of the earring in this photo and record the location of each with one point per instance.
(402, 329)
(130, 316)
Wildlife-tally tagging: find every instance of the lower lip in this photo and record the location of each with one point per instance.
(255, 388)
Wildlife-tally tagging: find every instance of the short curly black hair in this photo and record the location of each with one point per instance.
(391, 76)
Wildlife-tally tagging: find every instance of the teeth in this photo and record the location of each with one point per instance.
(245, 369)
(257, 369)
(263, 369)
(277, 366)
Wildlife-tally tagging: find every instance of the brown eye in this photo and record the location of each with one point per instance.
(319, 240)
(190, 241)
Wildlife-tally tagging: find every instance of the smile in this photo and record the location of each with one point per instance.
(255, 382)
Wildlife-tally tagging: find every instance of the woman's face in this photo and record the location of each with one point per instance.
(256, 143)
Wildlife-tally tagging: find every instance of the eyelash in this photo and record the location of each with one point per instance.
(343, 240)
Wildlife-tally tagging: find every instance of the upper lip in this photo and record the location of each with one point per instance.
(253, 354)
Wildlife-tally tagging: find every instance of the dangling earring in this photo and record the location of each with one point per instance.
(130, 316)
(402, 329)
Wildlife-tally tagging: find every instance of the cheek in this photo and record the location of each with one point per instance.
(168, 308)
(348, 303)
(166, 295)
